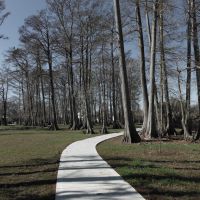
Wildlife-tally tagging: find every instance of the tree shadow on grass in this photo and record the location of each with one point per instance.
(158, 194)
(144, 184)
(143, 181)
(28, 182)
(27, 173)
(33, 163)
(27, 190)
(167, 177)
(125, 162)
(50, 196)
(125, 159)
(176, 161)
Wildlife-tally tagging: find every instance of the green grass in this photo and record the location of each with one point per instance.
(29, 160)
(166, 171)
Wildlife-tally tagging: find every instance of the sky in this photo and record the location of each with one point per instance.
(19, 10)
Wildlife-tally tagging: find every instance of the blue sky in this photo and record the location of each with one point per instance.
(19, 9)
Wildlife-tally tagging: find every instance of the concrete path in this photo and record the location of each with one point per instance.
(84, 175)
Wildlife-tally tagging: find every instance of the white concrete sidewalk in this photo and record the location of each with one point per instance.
(84, 175)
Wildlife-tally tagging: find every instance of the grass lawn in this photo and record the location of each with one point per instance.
(29, 162)
(158, 171)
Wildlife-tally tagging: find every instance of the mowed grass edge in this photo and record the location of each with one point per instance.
(157, 170)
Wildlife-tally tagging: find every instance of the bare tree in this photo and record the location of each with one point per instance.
(130, 133)
(189, 70)
(170, 130)
(142, 68)
(151, 126)
(38, 29)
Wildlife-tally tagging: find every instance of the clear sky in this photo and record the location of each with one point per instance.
(19, 9)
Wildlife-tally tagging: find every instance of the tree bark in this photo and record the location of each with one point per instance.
(104, 128)
(148, 23)
(188, 82)
(54, 124)
(183, 112)
(130, 133)
(86, 81)
(142, 69)
(43, 97)
(151, 127)
(170, 130)
(75, 122)
(113, 87)
(4, 94)
(197, 58)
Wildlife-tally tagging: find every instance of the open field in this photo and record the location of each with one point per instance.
(166, 171)
(29, 161)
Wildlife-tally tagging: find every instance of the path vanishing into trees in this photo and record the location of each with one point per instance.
(83, 174)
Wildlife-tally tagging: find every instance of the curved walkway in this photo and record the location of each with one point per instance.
(84, 175)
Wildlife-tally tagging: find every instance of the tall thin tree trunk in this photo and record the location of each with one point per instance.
(142, 69)
(170, 130)
(4, 95)
(104, 128)
(197, 58)
(148, 23)
(75, 122)
(151, 127)
(37, 101)
(161, 74)
(188, 82)
(23, 99)
(54, 122)
(130, 133)
(161, 98)
(43, 98)
(182, 106)
(156, 104)
(114, 116)
(86, 81)
(29, 98)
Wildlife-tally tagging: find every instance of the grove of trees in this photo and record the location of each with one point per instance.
(109, 62)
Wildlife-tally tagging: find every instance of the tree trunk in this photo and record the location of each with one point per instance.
(130, 133)
(148, 23)
(29, 98)
(4, 95)
(197, 58)
(86, 81)
(188, 82)
(183, 113)
(75, 122)
(54, 124)
(113, 87)
(170, 130)
(156, 104)
(104, 128)
(151, 127)
(23, 99)
(43, 101)
(142, 69)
